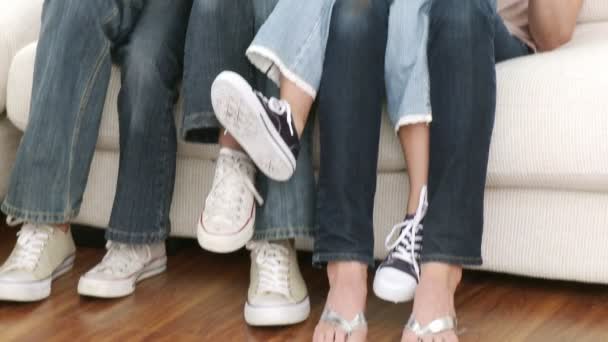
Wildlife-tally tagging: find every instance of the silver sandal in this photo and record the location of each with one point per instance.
(349, 327)
(437, 326)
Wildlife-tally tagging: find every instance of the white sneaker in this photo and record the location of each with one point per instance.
(42, 253)
(122, 268)
(398, 276)
(226, 223)
(277, 292)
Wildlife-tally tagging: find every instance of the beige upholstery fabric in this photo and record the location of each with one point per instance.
(19, 25)
(9, 140)
(594, 10)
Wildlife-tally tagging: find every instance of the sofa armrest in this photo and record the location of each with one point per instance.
(19, 26)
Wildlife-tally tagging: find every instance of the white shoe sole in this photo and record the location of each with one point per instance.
(242, 115)
(390, 292)
(119, 288)
(225, 243)
(277, 315)
(34, 291)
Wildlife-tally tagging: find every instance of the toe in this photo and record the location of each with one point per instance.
(339, 336)
(409, 336)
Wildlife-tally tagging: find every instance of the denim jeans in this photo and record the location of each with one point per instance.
(349, 108)
(79, 41)
(298, 53)
(467, 38)
(218, 35)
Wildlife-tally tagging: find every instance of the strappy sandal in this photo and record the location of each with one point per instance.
(349, 327)
(437, 326)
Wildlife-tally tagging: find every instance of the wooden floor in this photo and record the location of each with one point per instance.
(201, 298)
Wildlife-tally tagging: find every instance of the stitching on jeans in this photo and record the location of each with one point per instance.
(83, 103)
(304, 46)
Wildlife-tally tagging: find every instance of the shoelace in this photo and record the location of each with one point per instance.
(223, 199)
(273, 267)
(280, 107)
(31, 241)
(408, 244)
(122, 259)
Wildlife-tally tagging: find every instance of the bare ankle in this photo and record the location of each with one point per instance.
(442, 273)
(226, 140)
(65, 227)
(349, 273)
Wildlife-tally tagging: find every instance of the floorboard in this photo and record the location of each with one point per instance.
(201, 298)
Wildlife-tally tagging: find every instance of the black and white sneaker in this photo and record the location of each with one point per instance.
(398, 275)
(263, 127)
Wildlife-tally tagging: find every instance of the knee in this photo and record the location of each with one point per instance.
(147, 64)
(460, 18)
(358, 21)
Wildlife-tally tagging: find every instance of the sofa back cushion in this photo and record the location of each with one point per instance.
(594, 10)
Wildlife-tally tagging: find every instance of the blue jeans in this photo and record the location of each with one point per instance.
(79, 41)
(218, 34)
(349, 108)
(298, 53)
(467, 38)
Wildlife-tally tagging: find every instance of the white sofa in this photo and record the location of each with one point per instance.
(547, 195)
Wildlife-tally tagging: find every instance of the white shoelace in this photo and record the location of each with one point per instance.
(222, 201)
(408, 244)
(122, 259)
(30, 244)
(273, 267)
(282, 107)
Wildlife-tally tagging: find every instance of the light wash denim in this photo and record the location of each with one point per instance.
(406, 66)
(218, 35)
(79, 41)
(292, 42)
(298, 53)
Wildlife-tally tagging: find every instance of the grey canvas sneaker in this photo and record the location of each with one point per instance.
(277, 292)
(42, 253)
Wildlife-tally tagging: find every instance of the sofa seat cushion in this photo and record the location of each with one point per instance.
(551, 122)
(20, 89)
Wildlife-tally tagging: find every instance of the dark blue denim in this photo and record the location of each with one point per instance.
(218, 35)
(79, 41)
(466, 39)
(350, 108)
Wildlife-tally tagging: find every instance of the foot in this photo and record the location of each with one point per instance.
(42, 254)
(226, 223)
(122, 268)
(277, 292)
(435, 300)
(263, 127)
(347, 298)
(398, 275)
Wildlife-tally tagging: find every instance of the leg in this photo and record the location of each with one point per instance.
(463, 95)
(53, 162)
(350, 101)
(56, 151)
(415, 143)
(151, 64)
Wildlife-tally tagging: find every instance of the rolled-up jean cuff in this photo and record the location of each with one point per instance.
(195, 123)
(321, 259)
(131, 238)
(38, 217)
(275, 234)
(268, 61)
(451, 259)
(413, 119)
